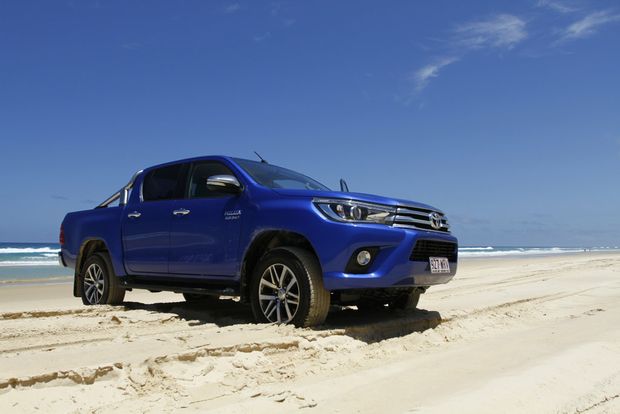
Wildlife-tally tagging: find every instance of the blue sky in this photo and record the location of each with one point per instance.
(504, 114)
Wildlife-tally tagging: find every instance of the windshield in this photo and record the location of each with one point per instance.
(278, 177)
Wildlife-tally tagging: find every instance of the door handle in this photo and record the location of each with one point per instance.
(181, 212)
(134, 215)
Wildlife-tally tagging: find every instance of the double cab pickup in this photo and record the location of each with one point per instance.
(220, 226)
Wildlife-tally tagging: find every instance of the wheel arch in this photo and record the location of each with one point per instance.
(262, 243)
(88, 247)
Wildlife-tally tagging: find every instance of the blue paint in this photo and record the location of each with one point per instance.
(212, 241)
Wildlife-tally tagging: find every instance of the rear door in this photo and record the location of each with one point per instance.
(146, 222)
(204, 241)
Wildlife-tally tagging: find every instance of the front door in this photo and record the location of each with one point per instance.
(204, 234)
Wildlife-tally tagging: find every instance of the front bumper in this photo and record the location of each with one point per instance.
(392, 266)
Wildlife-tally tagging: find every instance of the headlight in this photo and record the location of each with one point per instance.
(355, 211)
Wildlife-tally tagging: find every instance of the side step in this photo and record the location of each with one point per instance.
(130, 283)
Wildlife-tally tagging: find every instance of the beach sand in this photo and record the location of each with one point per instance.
(538, 334)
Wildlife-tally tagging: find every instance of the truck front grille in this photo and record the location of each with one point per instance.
(430, 248)
(419, 218)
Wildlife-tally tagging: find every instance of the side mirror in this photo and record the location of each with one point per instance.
(224, 184)
(343, 186)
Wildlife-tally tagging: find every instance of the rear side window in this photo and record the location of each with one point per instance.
(198, 180)
(163, 183)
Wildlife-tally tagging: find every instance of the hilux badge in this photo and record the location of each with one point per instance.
(232, 214)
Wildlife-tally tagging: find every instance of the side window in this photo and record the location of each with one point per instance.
(198, 180)
(163, 183)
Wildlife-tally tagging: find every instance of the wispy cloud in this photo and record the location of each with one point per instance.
(557, 6)
(588, 25)
(503, 32)
(500, 31)
(131, 45)
(232, 8)
(422, 76)
(261, 37)
(275, 8)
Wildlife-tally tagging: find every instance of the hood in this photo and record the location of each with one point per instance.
(368, 198)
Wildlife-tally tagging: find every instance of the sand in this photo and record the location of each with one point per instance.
(537, 334)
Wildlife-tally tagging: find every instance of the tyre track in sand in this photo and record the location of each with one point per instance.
(366, 333)
(170, 356)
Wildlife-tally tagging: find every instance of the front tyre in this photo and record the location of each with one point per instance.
(99, 283)
(287, 287)
(406, 301)
(198, 298)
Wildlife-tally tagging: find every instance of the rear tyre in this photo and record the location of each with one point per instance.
(100, 285)
(287, 287)
(406, 301)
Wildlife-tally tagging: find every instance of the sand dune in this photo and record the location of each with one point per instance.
(507, 335)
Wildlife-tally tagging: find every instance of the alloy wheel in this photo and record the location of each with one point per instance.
(94, 283)
(278, 293)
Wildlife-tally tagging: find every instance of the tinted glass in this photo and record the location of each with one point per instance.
(278, 177)
(200, 173)
(163, 183)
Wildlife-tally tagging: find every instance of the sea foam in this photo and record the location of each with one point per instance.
(20, 250)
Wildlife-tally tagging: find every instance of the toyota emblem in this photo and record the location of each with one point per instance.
(435, 220)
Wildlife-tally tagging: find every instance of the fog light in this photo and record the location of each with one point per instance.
(363, 258)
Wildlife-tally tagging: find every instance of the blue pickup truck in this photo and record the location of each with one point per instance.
(220, 226)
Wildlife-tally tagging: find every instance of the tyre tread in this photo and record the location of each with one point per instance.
(408, 301)
(116, 293)
(320, 298)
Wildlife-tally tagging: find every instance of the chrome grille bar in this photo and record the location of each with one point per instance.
(407, 219)
(420, 218)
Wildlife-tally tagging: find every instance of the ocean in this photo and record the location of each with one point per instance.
(498, 251)
(22, 262)
(27, 261)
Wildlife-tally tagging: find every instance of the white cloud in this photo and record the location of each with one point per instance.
(422, 76)
(232, 8)
(588, 25)
(500, 31)
(557, 6)
(261, 37)
(131, 45)
(275, 8)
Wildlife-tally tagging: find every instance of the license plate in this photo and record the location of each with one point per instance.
(439, 264)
